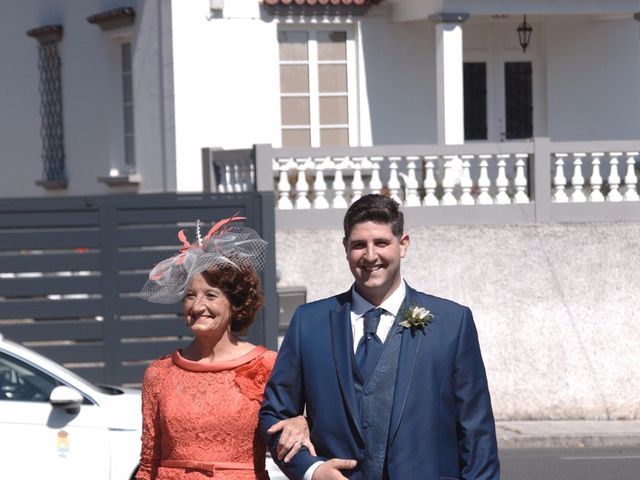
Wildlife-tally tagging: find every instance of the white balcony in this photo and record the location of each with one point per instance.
(524, 182)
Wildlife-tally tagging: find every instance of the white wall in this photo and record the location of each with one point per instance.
(153, 96)
(400, 68)
(593, 79)
(226, 82)
(20, 161)
(91, 97)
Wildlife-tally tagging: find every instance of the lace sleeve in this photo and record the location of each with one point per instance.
(151, 447)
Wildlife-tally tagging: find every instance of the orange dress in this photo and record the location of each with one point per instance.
(200, 421)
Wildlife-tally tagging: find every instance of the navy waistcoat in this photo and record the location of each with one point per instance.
(375, 399)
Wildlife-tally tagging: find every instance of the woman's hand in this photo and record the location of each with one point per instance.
(295, 434)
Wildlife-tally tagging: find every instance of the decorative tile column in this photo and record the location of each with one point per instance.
(54, 175)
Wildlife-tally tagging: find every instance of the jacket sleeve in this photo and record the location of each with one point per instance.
(284, 398)
(477, 445)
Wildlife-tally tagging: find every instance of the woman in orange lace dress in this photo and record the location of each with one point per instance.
(200, 404)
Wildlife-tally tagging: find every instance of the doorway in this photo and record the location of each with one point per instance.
(503, 86)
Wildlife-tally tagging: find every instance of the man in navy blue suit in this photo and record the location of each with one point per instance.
(391, 379)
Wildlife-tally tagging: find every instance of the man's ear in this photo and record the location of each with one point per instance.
(404, 244)
(344, 244)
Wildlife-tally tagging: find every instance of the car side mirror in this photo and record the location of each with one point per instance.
(67, 398)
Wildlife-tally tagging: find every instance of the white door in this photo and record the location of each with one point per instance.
(39, 441)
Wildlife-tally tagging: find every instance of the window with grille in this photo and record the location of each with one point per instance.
(51, 122)
(316, 70)
(475, 101)
(518, 88)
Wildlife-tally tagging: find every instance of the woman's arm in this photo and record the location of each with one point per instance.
(151, 446)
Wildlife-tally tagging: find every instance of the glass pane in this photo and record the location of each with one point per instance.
(293, 45)
(296, 138)
(127, 91)
(475, 101)
(294, 78)
(126, 57)
(334, 110)
(518, 92)
(330, 137)
(129, 151)
(295, 110)
(128, 119)
(332, 78)
(332, 45)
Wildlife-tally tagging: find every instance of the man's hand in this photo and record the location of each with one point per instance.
(295, 434)
(330, 470)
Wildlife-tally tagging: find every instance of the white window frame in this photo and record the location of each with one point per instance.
(120, 171)
(314, 94)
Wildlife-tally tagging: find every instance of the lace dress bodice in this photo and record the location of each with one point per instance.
(195, 413)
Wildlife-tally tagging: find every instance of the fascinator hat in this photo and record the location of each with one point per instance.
(226, 245)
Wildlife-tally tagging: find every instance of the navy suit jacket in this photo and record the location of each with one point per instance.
(442, 425)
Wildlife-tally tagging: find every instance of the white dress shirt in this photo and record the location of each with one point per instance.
(359, 306)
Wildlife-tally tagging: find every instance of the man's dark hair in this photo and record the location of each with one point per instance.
(374, 208)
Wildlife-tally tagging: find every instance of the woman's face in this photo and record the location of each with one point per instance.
(206, 307)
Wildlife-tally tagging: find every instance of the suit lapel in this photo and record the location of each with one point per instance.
(406, 362)
(342, 341)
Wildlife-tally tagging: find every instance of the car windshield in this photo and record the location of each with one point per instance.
(40, 362)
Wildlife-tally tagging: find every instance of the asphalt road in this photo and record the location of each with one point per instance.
(557, 464)
(570, 464)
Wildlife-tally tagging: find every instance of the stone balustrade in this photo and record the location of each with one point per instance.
(595, 177)
(412, 180)
(520, 181)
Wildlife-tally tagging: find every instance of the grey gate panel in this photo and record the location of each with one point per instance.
(71, 269)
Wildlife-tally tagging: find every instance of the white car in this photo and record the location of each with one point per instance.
(54, 424)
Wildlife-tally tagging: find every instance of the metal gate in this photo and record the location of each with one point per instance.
(71, 270)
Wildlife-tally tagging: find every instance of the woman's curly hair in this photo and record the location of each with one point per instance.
(242, 288)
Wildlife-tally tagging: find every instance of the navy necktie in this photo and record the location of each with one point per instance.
(369, 346)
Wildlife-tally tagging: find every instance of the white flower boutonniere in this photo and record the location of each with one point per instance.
(416, 317)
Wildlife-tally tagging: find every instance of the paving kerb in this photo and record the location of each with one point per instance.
(568, 433)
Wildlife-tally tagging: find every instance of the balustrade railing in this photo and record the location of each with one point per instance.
(412, 180)
(539, 173)
(595, 177)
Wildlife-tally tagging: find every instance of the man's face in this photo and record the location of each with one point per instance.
(374, 254)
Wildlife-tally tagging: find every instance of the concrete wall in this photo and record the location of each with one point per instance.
(556, 306)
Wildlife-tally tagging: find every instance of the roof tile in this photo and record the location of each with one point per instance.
(315, 7)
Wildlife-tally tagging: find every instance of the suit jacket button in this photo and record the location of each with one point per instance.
(365, 425)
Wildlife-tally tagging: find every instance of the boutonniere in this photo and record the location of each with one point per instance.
(416, 317)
